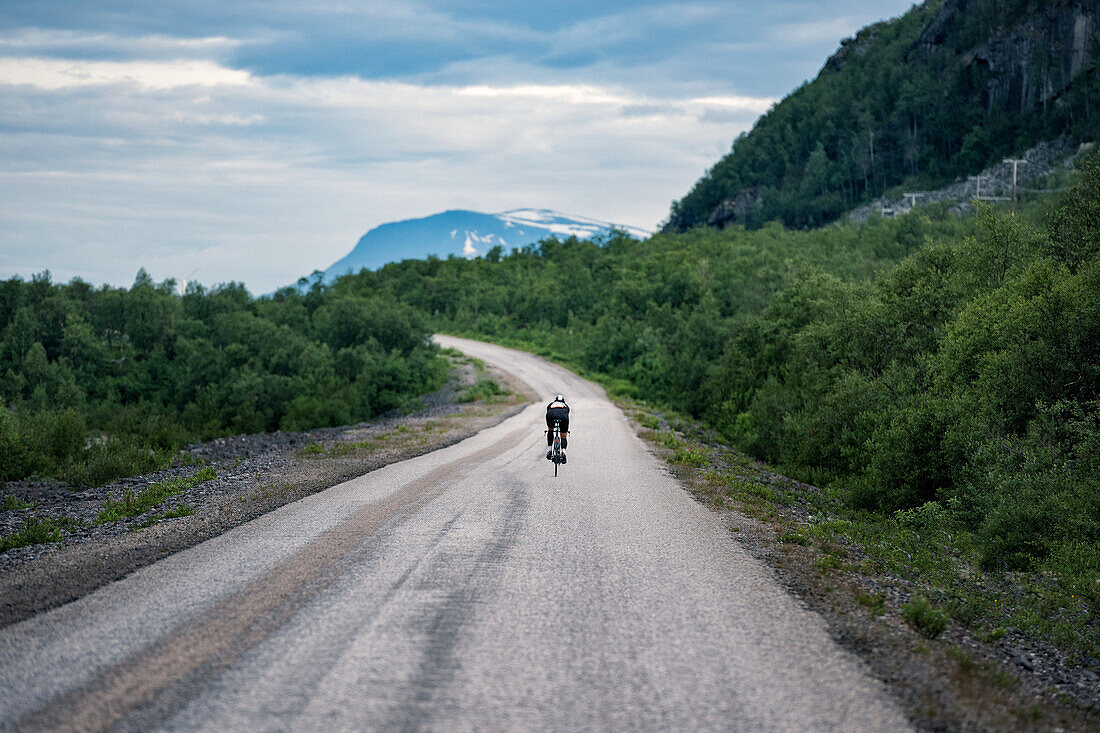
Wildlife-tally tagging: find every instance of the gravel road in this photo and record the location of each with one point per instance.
(466, 589)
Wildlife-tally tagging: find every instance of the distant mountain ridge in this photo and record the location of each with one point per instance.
(466, 234)
(942, 92)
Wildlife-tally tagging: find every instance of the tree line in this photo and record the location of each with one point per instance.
(106, 382)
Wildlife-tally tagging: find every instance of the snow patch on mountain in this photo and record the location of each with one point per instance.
(567, 226)
(466, 234)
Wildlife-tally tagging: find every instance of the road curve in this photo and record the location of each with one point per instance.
(467, 589)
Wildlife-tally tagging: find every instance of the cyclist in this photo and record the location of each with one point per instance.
(557, 410)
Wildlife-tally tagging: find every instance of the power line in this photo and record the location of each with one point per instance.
(1042, 190)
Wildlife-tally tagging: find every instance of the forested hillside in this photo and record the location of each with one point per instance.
(107, 382)
(923, 359)
(911, 104)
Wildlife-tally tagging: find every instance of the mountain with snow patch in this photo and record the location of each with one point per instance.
(465, 234)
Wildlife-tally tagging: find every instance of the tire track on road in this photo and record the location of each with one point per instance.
(142, 685)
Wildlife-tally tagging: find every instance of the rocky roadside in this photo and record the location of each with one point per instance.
(253, 474)
(955, 681)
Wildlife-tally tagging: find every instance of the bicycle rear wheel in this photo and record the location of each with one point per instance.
(557, 448)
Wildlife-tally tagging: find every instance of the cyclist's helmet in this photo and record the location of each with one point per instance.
(559, 398)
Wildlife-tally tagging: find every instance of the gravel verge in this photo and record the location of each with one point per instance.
(254, 475)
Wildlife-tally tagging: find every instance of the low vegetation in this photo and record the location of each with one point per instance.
(484, 386)
(35, 531)
(924, 617)
(133, 503)
(183, 509)
(14, 503)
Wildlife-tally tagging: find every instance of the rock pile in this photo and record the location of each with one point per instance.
(992, 184)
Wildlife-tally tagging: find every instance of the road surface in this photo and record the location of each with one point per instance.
(467, 589)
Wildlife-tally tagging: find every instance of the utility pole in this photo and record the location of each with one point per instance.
(977, 180)
(1015, 167)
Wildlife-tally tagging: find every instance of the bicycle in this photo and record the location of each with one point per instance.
(555, 451)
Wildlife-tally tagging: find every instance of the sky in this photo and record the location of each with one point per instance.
(256, 141)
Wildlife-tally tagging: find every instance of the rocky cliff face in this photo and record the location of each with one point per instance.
(1024, 65)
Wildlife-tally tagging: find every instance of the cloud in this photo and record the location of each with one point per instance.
(184, 165)
(79, 44)
(824, 30)
(258, 145)
(649, 45)
(50, 74)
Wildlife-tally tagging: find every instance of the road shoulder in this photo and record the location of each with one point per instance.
(253, 475)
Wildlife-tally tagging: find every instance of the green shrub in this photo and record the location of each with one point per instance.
(1015, 532)
(689, 456)
(924, 617)
(482, 389)
(33, 532)
(1073, 226)
(60, 434)
(875, 603)
(183, 510)
(132, 504)
(16, 456)
(107, 459)
(907, 462)
(14, 503)
(928, 517)
(793, 538)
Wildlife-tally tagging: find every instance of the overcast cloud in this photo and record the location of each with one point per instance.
(257, 141)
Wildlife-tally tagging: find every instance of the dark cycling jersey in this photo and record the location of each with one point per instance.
(557, 410)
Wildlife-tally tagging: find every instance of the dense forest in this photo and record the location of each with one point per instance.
(941, 92)
(107, 382)
(922, 359)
